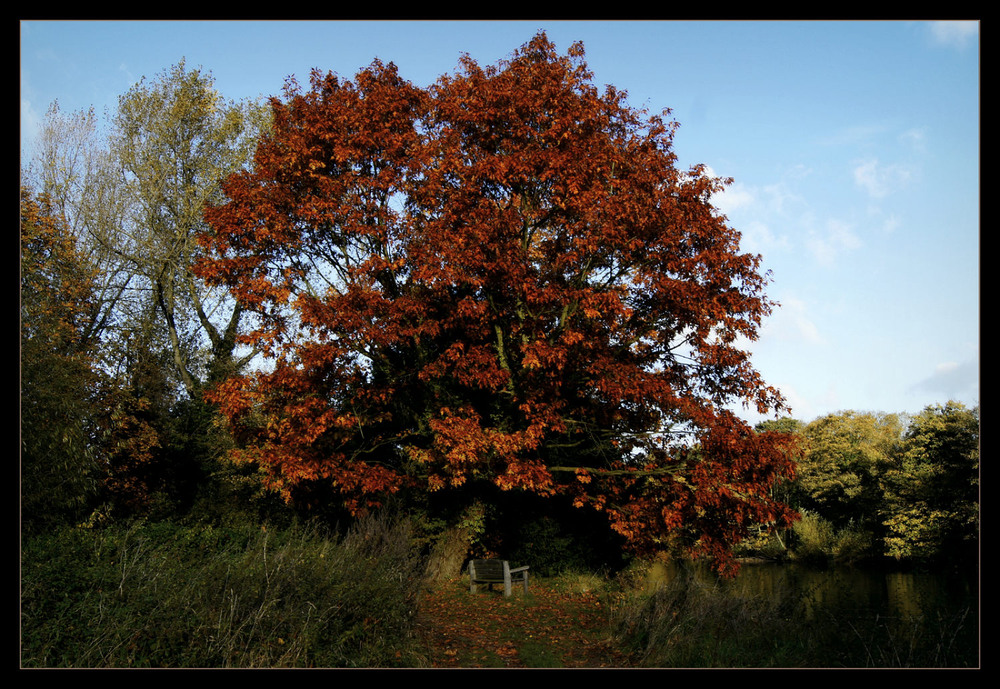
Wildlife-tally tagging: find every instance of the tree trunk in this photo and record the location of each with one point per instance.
(448, 554)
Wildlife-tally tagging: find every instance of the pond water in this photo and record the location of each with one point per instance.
(827, 617)
(900, 595)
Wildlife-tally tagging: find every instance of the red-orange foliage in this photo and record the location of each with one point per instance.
(56, 286)
(503, 278)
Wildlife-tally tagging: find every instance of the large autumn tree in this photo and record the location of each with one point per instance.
(501, 280)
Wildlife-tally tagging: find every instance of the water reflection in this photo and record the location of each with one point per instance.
(794, 615)
(891, 594)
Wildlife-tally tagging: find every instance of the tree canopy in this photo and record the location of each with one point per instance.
(57, 366)
(932, 487)
(840, 472)
(502, 279)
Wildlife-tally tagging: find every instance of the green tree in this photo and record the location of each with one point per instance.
(839, 477)
(932, 489)
(132, 195)
(57, 373)
(173, 140)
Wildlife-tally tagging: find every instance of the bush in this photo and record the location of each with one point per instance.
(852, 545)
(817, 541)
(813, 538)
(159, 595)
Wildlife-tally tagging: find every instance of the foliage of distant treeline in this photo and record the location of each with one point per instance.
(894, 486)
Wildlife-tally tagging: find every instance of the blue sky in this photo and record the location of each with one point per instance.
(854, 147)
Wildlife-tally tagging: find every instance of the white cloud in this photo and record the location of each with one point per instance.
(780, 198)
(733, 197)
(891, 224)
(915, 137)
(880, 180)
(753, 211)
(887, 223)
(756, 238)
(806, 407)
(955, 34)
(791, 322)
(799, 408)
(839, 237)
(953, 380)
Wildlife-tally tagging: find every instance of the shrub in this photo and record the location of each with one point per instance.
(813, 538)
(852, 545)
(817, 541)
(159, 595)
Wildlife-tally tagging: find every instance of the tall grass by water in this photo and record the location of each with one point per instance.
(701, 622)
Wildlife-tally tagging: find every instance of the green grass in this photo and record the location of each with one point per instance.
(159, 595)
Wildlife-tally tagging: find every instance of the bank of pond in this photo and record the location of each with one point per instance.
(789, 614)
(162, 595)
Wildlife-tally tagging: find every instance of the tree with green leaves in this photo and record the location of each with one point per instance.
(132, 194)
(57, 369)
(173, 140)
(932, 488)
(839, 477)
(133, 201)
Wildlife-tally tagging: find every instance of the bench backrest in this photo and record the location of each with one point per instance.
(488, 569)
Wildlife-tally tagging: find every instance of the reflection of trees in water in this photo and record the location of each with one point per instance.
(906, 594)
(823, 592)
(796, 614)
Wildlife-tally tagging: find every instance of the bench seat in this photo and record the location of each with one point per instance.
(491, 572)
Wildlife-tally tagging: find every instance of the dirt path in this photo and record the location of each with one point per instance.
(543, 628)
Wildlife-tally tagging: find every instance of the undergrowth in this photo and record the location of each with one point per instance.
(164, 595)
(161, 595)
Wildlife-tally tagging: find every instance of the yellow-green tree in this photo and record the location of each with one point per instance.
(131, 195)
(932, 488)
(174, 138)
(845, 456)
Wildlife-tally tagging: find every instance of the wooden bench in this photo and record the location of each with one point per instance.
(491, 572)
